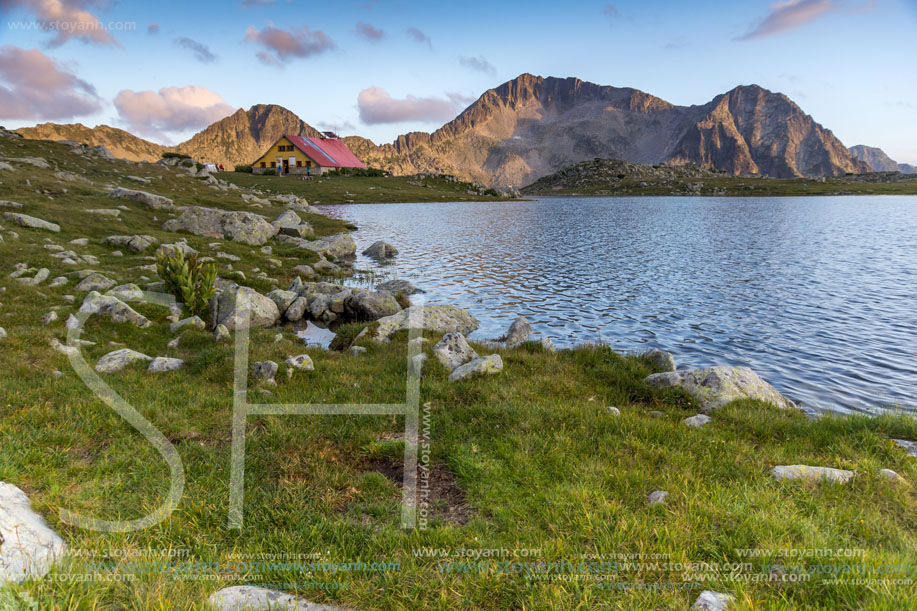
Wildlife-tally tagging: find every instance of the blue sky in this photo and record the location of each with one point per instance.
(354, 66)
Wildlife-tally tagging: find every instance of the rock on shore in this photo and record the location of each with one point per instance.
(714, 387)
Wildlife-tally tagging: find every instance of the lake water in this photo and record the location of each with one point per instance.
(817, 294)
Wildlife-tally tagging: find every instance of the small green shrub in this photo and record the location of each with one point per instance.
(186, 163)
(188, 279)
(170, 155)
(199, 166)
(270, 173)
(247, 169)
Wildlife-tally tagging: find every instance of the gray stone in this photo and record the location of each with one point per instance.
(660, 359)
(890, 475)
(28, 546)
(162, 364)
(264, 371)
(112, 307)
(656, 497)
(79, 242)
(714, 387)
(614, 411)
(2, 333)
(370, 305)
(697, 421)
(141, 180)
(134, 243)
(49, 318)
(104, 211)
(380, 250)
(156, 202)
(191, 321)
(453, 350)
(167, 250)
(302, 362)
(30, 222)
(240, 226)
(127, 292)
(357, 350)
(436, 319)
(221, 334)
(283, 299)
(398, 286)
(335, 246)
(40, 276)
(59, 281)
(95, 282)
(253, 598)
(487, 365)
(264, 312)
(910, 447)
(326, 268)
(417, 362)
(5, 203)
(518, 331)
(296, 310)
(712, 601)
(805, 472)
(305, 271)
(119, 359)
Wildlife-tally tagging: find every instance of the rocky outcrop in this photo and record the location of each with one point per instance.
(28, 546)
(30, 222)
(240, 226)
(224, 310)
(714, 387)
(876, 159)
(156, 202)
(436, 319)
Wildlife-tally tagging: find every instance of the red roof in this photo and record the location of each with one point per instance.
(326, 152)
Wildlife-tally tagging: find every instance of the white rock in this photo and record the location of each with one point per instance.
(29, 547)
(253, 598)
(2, 333)
(487, 365)
(119, 359)
(192, 321)
(891, 475)
(657, 497)
(49, 318)
(805, 472)
(697, 421)
(302, 362)
(453, 350)
(548, 344)
(712, 601)
(161, 364)
(613, 410)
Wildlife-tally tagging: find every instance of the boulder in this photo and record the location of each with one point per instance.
(156, 202)
(614, 411)
(303, 230)
(380, 250)
(254, 598)
(805, 472)
(39, 277)
(697, 421)
(221, 334)
(28, 546)
(453, 350)
(283, 299)
(302, 362)
(305, 271)
(167, 250)
(264, 371)
(518, 331)
(398, 286)
(296, 310)
(162, 364)
(660, 359)
(264, 312)
(114, 212)
(127, 292)
(30, 222)
(95, 282)
(326, 268)
(370, 305)
(656, 497)
(487, 365)
(112, 307)
(436, 319)
(119, 359)
(714, 387)
(240, 226)
(335, 246)
(192, 321)
(890, 475)
(59, 281)
(548, 344)
(712, 601)
(134, 243)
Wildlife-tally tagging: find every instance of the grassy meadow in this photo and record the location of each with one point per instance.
(538, 496)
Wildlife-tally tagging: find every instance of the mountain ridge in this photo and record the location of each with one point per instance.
(531, 126)
(879, 161)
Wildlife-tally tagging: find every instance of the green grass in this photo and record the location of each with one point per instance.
(361, 189)
(528, 460)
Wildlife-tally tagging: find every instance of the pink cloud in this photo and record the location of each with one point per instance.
(171, 109)
(377, 106)
(66, 18)
(369, 32)
(282, 45)
(37, 87)
(788, 15)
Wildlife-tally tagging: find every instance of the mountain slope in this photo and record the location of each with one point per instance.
(243, 136)
(879, 161)
(122, 144)
(531, 126)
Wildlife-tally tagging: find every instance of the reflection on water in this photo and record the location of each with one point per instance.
(819, 294)
(315, 336)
